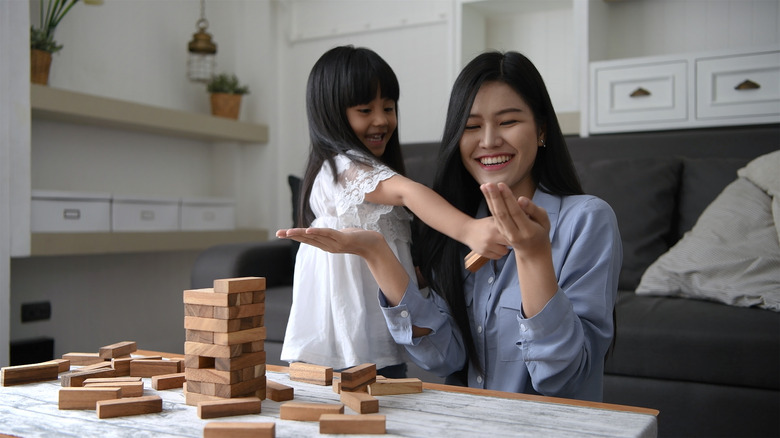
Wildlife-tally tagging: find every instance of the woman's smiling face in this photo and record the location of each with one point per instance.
(501, 138)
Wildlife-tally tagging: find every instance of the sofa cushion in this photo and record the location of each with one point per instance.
(642, 193)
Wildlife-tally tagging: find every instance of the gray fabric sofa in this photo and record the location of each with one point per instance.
(709, 368)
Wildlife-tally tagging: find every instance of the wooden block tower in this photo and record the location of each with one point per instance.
(224, 352)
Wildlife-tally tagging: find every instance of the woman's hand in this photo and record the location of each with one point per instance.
(522, 223)
(484, 237)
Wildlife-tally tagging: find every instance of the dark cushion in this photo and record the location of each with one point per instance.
(702, 180)
(642, 193)
(695, 341)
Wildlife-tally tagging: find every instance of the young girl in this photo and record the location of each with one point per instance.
(353, 179)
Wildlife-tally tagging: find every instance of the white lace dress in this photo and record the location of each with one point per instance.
(335, 318)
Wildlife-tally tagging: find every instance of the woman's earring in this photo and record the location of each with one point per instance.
(544, 145)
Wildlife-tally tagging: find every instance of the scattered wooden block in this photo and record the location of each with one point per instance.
(168, 381)
(301, 411)
(21, 374)
(237, 285)
(311, 373)
(129, 389)
(360, 402)
(118, 349)
(395, 386)
(352, 424)
(228, 408)
(112, 379)
(86, 398)
(81, 359)
(239, 430)
(474, 261)
(129, 406)
(77, 377)
(121, 365)
(358, 376)
(153, 367)
(96, 366)
(278, 392)
(64, 364)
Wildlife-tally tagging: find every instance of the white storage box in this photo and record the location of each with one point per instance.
(55, 211)
(203, 214)
(137, 213)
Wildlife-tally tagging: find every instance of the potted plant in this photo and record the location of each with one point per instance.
(226, 92)
(42, 43)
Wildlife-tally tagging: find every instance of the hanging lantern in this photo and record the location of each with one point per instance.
(201, 62)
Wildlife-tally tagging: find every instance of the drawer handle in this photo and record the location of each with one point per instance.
(71, 214)
(640, 92)
(747, 84)
(147, 215)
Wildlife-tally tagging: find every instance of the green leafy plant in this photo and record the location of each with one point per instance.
(42, 38)
(226, 83)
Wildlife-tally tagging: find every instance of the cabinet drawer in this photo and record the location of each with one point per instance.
(69, 212)
(641, 94)
(200, 214)
(738, 86)
(144, 214)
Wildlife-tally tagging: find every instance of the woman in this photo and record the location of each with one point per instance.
(539, 319)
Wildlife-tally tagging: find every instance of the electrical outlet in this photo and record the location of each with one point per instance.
(40, 311)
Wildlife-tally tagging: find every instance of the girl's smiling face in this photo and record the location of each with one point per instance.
(374, 123)
(501, 138)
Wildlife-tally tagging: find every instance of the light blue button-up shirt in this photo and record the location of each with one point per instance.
(558, 352)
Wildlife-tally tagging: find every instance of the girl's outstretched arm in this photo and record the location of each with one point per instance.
(481, 235)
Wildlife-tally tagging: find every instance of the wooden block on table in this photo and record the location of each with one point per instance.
(358, 376)
(81, 359)
(234, 312)
(337, 387)
(85, 398)
(237, 285)
(311, 373)
(64, 364)
(77, 377)
(21, 374)
(278, 392)
(121, 365)
(168, 381)
(129, 406)
(240, 337)
(360, 402)
(302, 411)
(239, 430)
(129, 389)
(118, 349)
(229, 408)
(352, 424)
(96, 366)
(395, 386)
(239, 362)
(153, 367)
(474, 261)
(112, 379)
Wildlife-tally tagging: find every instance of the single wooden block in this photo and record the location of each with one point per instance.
(221, 325)
(258, 296)
(205, 388)
(239, 362)
(200, 310)
(153, 367)
(395, 386)
(76, 378)
(229, 408)
(112, 379)
(278, 392)
(474, 261)
(121, 365)
(360, 402)
(129, 389)
(239, 430)
(129, 406)
(81, 359)
(253, 347)
(358, 376)
(212, 350)
(311, 373)
(168, 381)
(352, 424)
(193, 398)
(301, 411)
(233, 312)
(118, 349)
(85, 398)
(337, 386)
(200, 336)
(212, 375)
(21, 374)
(242, 389)
(207, 297)
(64, 364)
(237, 285)
(96, 366)
(240, 337)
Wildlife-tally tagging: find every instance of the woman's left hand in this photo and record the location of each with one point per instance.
(524, 224)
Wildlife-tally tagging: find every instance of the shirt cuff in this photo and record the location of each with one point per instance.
(414, 309)
(546, 321)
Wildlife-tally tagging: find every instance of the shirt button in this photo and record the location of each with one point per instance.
(479, 329)
(479, 379)
(404, 314)
(523, 327)
(490, 280)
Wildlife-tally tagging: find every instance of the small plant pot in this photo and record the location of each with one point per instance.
(40, 63)
(225, 105)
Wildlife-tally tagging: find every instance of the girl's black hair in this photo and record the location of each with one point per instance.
(344, 77)
(441, 258)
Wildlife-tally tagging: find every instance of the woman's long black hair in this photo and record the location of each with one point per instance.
(441, 258)
(344, 77)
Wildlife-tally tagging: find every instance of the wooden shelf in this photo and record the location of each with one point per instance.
(73, 107)
(59, 244)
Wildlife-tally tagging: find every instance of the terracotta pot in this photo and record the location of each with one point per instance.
(40, 63)
(225, 105)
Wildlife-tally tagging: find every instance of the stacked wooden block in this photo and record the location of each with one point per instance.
(224, 352)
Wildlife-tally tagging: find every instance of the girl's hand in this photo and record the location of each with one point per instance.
(524, 225)
(484, 237)
(347, 241)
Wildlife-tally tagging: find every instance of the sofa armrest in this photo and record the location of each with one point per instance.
(274, 260)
